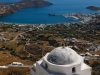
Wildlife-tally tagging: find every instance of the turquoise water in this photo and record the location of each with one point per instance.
(40, 14)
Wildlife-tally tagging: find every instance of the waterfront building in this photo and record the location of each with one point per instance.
(61, 61)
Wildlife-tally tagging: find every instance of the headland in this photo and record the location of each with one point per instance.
(10, 7)
(94, 8)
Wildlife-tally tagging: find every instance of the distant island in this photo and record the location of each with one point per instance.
(94, 8)
(10, 7)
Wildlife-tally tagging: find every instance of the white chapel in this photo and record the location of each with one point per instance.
(61, 61)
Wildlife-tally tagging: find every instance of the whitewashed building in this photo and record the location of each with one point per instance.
(61, 61)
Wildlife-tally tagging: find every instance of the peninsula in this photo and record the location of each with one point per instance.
(9, 7)
(94, 8)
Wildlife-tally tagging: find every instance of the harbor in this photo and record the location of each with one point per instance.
(77, 16)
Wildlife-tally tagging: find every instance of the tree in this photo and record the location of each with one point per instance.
(13, 72)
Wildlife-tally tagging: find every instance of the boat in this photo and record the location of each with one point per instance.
(51, 14)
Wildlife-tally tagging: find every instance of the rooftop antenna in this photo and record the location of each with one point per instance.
(63, 46)
(64, 40)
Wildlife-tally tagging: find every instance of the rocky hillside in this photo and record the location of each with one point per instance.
(8, 8)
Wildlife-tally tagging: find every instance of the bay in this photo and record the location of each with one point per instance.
(39, 15)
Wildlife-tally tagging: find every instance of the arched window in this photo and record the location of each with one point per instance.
(73, 69)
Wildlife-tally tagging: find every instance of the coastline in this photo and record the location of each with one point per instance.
(10, 23)
(46, 18)
(10, 7)
(23, 24)
(15, 23)
(79, 17)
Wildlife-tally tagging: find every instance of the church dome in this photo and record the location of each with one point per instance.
(63, 56)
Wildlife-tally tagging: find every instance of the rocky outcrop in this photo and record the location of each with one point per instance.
(8, 8)
(93, 8)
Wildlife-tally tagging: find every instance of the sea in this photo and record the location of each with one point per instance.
(39, 15)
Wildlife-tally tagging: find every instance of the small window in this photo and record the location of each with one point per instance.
(73, 69)
(46, 66)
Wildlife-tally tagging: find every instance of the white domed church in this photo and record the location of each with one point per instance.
(61, 61)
